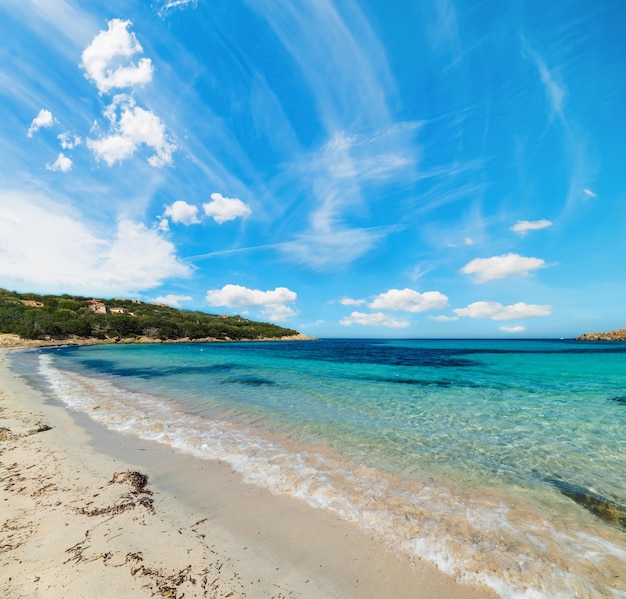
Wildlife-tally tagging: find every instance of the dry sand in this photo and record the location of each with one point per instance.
(86, 513)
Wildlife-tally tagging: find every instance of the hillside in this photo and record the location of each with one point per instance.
(52, 317)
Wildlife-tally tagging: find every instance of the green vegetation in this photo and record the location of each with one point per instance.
(33, 316)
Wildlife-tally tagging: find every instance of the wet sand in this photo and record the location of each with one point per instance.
(91, 513)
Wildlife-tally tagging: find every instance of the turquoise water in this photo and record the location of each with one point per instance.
(503, 462)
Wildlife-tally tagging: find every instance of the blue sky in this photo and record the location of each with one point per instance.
(376, 169)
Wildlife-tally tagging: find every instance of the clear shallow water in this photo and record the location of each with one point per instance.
(475, 455)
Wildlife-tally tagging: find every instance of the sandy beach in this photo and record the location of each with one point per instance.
(90, 513)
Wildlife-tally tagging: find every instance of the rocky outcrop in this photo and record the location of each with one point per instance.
(617, 335)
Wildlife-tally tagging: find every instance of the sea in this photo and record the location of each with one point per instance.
(502, 462)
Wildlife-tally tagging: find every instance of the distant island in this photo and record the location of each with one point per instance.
(32, 319)
(617, 335)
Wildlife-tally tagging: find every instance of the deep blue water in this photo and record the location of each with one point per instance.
(501, 461)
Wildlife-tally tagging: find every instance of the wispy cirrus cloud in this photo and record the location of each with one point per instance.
(555, 91)
(347, 72)
(340, 178)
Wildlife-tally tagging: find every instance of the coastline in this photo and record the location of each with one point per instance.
(10, 341)
(75, 524)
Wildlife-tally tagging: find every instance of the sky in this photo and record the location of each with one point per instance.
(422, 168)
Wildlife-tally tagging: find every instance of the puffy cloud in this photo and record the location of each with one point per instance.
(521, 227)
(67, 141)
(376, 319)
(62, 163)
(182, 212)
(107, 60)
(44, 245)
(139, 254)
(274, 304)
(43, 119)
(497, 311)
(172, 300)
(409, 300)
(517, 329)
(223, 209)
(132, 126)
(499, 267)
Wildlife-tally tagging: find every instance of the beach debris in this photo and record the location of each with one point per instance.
(138, 495)
(135, 479)
(39, 428)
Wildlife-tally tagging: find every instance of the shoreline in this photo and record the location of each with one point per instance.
(75, 524)
(10, 341)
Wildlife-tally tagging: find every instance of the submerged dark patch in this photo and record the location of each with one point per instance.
(254, 381)
(421, 382)
(606, 509)
(110, 367)
(619, 399)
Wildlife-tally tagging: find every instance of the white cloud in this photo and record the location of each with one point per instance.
(409, 300)
(348, 301)
(517, 329)
(172, 299)
(43, 245)
(132, 126)
(589, 193)
(182, 212)
(469, 241)
(374, 319)
(69, 141)
(223, 209)
(169, 5)
(521, 227)
(43, 119)
(107, 60)
(332, 248)
(62, 163)
(275, 304)
(443, 318)
(499, 267)
(497, 311)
